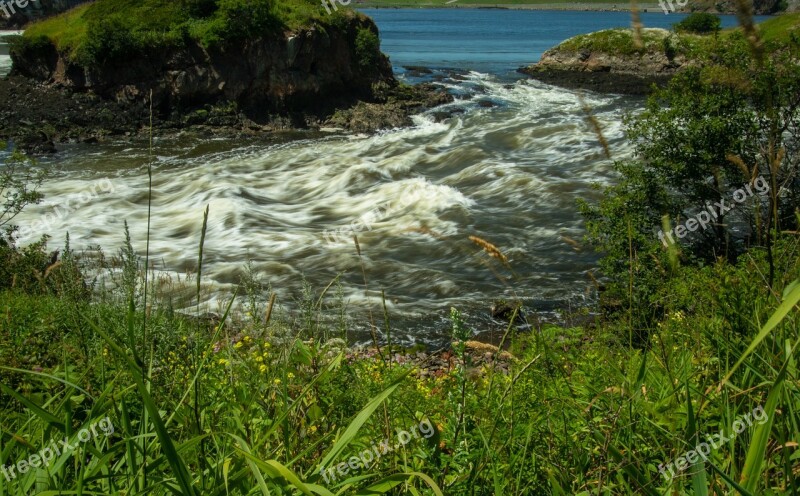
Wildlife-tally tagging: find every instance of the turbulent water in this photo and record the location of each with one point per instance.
(509, 174)
(507, 167)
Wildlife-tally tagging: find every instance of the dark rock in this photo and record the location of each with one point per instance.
(504, 309)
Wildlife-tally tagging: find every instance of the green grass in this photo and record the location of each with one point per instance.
(221, 408)
(780, 28)
(613, 41)
(65, 31)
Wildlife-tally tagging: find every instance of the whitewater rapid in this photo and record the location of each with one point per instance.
(507, 166)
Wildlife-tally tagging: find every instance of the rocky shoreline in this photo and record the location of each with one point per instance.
(38, 117)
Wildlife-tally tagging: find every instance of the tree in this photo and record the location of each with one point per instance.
(725, 125)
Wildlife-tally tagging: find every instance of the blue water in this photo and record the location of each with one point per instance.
(495, 41)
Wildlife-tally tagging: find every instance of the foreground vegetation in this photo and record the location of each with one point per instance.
(693, 338)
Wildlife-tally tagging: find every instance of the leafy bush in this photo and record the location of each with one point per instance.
(368, 48)
(699, 23)
(108, 39)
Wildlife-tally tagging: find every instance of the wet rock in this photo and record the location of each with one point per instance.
(417, 71)
(504, 310)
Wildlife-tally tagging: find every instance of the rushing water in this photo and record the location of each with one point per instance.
(508, 167)
(5, 60)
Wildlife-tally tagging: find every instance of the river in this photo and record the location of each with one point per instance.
(507, 168)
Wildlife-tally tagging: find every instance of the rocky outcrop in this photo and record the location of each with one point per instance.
(607, 61)
(310, 69)
(310, 78)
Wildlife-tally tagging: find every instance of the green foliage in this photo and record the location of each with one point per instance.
(234, 20)
(109, 39)
(19, 183)
(669, 47)
(697, 142)
(699, 23)
(368, 48)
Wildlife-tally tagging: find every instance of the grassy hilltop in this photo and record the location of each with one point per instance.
(109, 28)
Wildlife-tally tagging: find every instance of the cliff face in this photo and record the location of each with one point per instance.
(283, 72)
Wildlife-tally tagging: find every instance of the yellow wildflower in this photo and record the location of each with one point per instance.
(277, 382)
(238, 345)
(262, 368)
(290, 375)
(222, 361)
(312, 429)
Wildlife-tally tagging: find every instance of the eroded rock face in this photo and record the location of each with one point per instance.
(282, 72)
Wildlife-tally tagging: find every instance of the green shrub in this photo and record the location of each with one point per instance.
(700, 23)
(669, 48)
(108, 39)
(368, 48)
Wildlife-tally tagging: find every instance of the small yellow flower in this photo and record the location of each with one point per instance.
(312, 429)
(259, 359)
(246, 339)
(262, 368)
(238, 345)
(290, 375)
(222, 361)
(277, 382)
